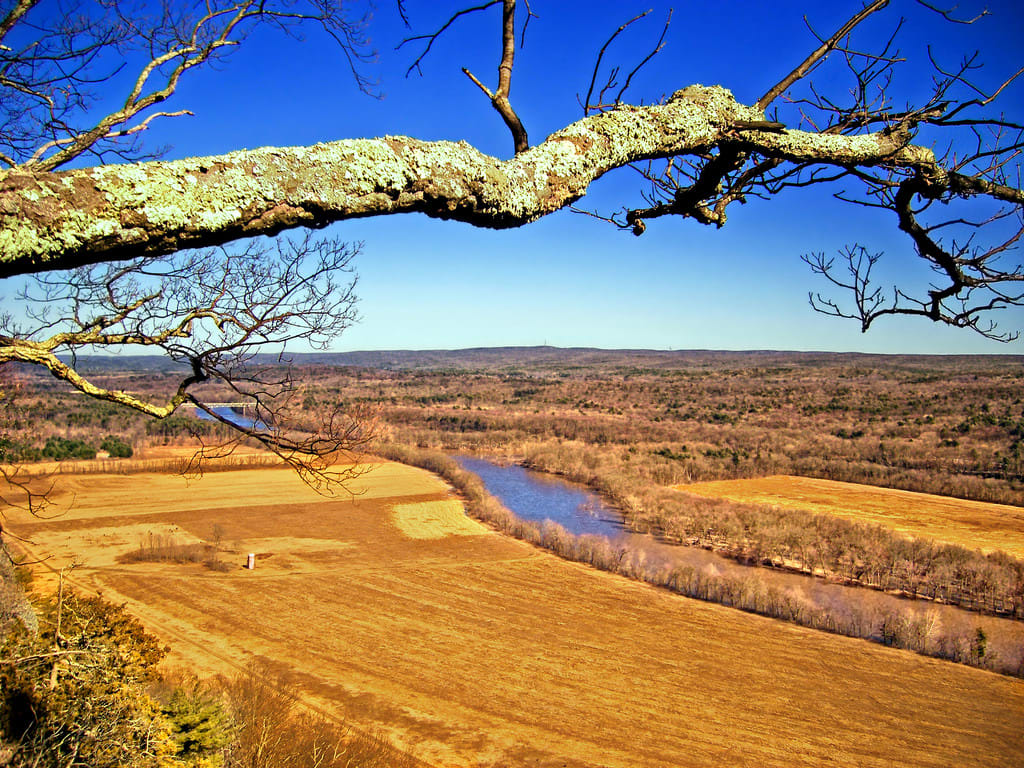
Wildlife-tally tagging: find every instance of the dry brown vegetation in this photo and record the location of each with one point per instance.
(830, 546)
(631, 424)
(421, 587)
(159, 548)
(946, 425)
(995, 644)
(953, 521)
(482, 650)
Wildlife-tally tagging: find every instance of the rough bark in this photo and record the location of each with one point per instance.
(70, 218)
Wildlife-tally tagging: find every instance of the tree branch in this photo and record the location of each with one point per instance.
(69, 218)
(214, 311)
(47, 85)
(823, 50)
(586, 102)
(499, 98)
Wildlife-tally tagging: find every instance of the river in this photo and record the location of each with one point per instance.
(233, 416)
(538, 497)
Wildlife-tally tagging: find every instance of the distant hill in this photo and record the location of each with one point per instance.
(544, 358)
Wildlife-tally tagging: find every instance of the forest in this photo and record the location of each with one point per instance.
(637, 427)
(633, 425)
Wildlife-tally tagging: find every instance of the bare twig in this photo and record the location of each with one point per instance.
(434, 36)
(216, 312)
(947, 13)
(586, 104)
(829, 45)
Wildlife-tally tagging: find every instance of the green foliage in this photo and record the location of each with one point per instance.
(979, 645)
(201, 728)
(116, 447)
(681, 455)
(459, 423)
(75, 694)
(60, 448)
(179, 426)
(13, 451)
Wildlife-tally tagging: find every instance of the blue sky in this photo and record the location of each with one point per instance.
(570, 280)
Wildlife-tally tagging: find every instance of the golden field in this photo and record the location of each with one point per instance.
(972, 524)
(473, 649)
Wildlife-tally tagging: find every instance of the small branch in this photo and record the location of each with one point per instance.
(500, 100)
(654, 52)
(433, 37)
(500, 97)
(15, 15)
(42, 150)
(586, 104)
(529, 15)
(481, 86)
(827, 47)
(948, 13)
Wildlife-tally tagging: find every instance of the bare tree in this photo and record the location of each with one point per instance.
(934, 197)
(699, 150)
(214, 310)
(55, 63)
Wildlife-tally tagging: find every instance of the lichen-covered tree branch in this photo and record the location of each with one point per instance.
(71, 218)
(212, 310)
(700, 151)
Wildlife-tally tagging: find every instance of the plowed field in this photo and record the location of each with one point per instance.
(477, 650)
(972, 524)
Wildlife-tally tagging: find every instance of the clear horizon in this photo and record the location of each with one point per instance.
(1009, 352)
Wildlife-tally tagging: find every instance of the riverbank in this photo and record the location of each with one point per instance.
(920, 628)
(476, 649)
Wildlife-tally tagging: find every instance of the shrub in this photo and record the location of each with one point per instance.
(116, 447)
(75, 694)
(60, 448)
(271, 730)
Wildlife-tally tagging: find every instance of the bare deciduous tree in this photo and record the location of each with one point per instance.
(55, 63)
(935, 197)
(212, 309)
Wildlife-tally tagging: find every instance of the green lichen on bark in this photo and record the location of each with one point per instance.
(56, 220)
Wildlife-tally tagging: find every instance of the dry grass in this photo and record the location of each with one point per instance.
(164, 458)
(481, 650)
(972, 524)
(435, 520)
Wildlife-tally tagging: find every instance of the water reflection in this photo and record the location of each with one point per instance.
(538, 497)
(233, 416)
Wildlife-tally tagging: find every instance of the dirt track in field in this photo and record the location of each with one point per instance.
(972, 524)
(478, 650)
